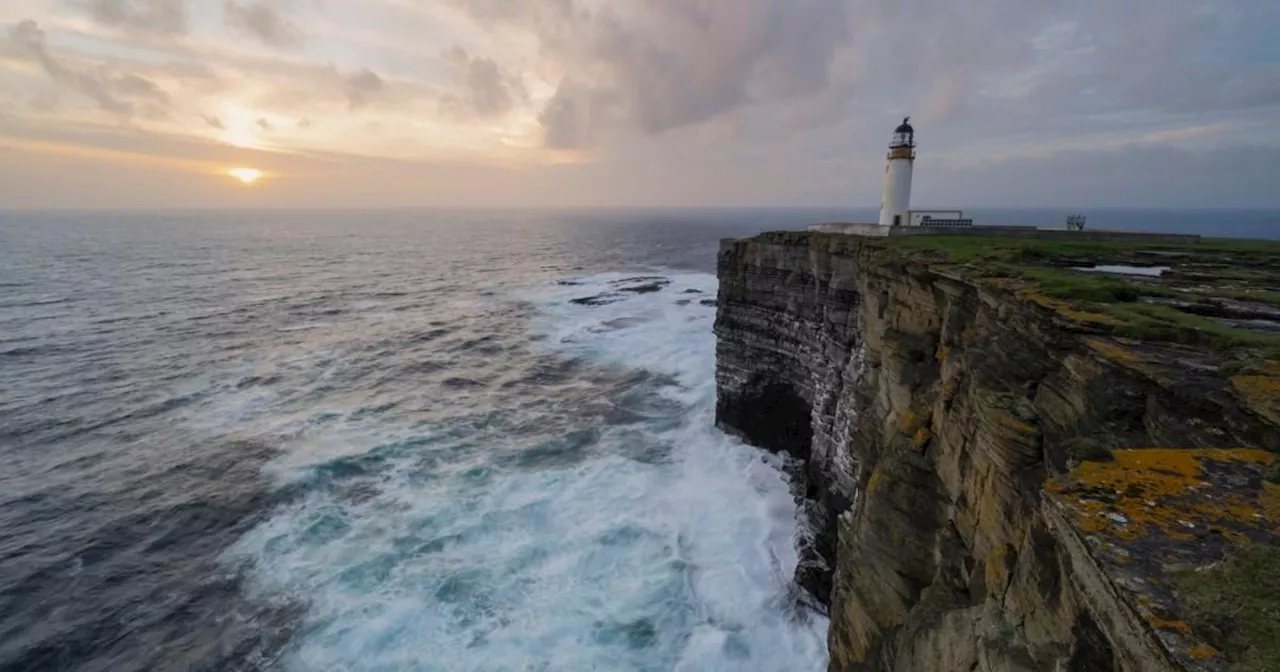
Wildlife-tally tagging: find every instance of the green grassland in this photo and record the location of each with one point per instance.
(1181, 307)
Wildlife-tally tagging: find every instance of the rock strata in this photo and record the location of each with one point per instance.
(995, 478)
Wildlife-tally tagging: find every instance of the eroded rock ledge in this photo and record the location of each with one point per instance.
(958, 429)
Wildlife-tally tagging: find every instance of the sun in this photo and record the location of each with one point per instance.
(246, 175)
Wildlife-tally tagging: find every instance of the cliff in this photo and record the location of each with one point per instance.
(1012, 464)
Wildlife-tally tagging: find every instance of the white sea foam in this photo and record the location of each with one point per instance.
(459, 561)
(666, 332)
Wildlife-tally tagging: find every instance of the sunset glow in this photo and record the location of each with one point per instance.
(246, 175)
(629, 103)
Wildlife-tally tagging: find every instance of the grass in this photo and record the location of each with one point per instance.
(1237, 254)
(1236, 607)
(1153, 322)
(1246, 294)
(1076, 286)
(1047, 267)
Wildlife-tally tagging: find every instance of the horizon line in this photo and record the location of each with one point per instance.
(1082, 209)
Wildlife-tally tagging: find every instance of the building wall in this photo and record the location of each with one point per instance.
(874, 230)
(896, 197)
(917, 216)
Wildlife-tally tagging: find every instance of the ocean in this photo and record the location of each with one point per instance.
(392, 440)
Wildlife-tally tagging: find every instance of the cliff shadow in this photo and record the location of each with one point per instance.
(771, 415)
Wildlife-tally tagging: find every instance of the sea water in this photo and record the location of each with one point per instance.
(569, 507)
(380, 441)
(385, 441)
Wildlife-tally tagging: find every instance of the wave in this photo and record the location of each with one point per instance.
(523, 532)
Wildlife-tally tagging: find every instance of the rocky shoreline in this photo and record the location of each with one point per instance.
(1009, 463)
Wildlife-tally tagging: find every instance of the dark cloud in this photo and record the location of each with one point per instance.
(487, 90)
(264, 124)
(260, 22)
(155, 16)
(677, 62)
(214, 122)
(361, 87)
(123, 94)
(969, 67)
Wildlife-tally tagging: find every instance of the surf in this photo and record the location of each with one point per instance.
(601, 522)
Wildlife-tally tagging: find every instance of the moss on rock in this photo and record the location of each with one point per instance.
(1235, 605)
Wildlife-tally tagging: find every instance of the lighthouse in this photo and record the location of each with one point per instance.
(895, 201)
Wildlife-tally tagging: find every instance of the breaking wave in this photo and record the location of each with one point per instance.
(552, 495)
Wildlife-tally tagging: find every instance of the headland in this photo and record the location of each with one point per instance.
(1021, 450)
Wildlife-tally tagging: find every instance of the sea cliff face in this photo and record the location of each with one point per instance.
(996, 478)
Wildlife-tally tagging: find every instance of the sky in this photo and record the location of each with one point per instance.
(637, 103)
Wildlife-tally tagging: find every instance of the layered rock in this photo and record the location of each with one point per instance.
(932, 409)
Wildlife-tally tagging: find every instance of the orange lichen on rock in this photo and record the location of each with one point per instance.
(1066, 310)
(1114, 351)
(1009, 421)
(1270, 502)
(1162, 491)
(921, 437)
(1260, 389)
(1158, 623)
(909, 422)
(1152, 511)
(998, 565)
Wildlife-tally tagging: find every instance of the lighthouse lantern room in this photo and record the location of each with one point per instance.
(895, 201)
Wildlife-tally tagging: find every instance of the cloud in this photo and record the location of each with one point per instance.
(572, 117)
(361, 87)
(133, 86)
(155, 16)
(794, 65)
(488, 91)
(264, 124)
(122, 94)
(258, 21)
(673, 63)
(730, 100)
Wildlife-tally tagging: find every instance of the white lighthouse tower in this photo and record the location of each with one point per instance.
(895, 201)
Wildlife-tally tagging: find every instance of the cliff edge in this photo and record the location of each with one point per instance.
(1012, 463)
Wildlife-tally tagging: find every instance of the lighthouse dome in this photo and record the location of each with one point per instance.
(904, 136)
